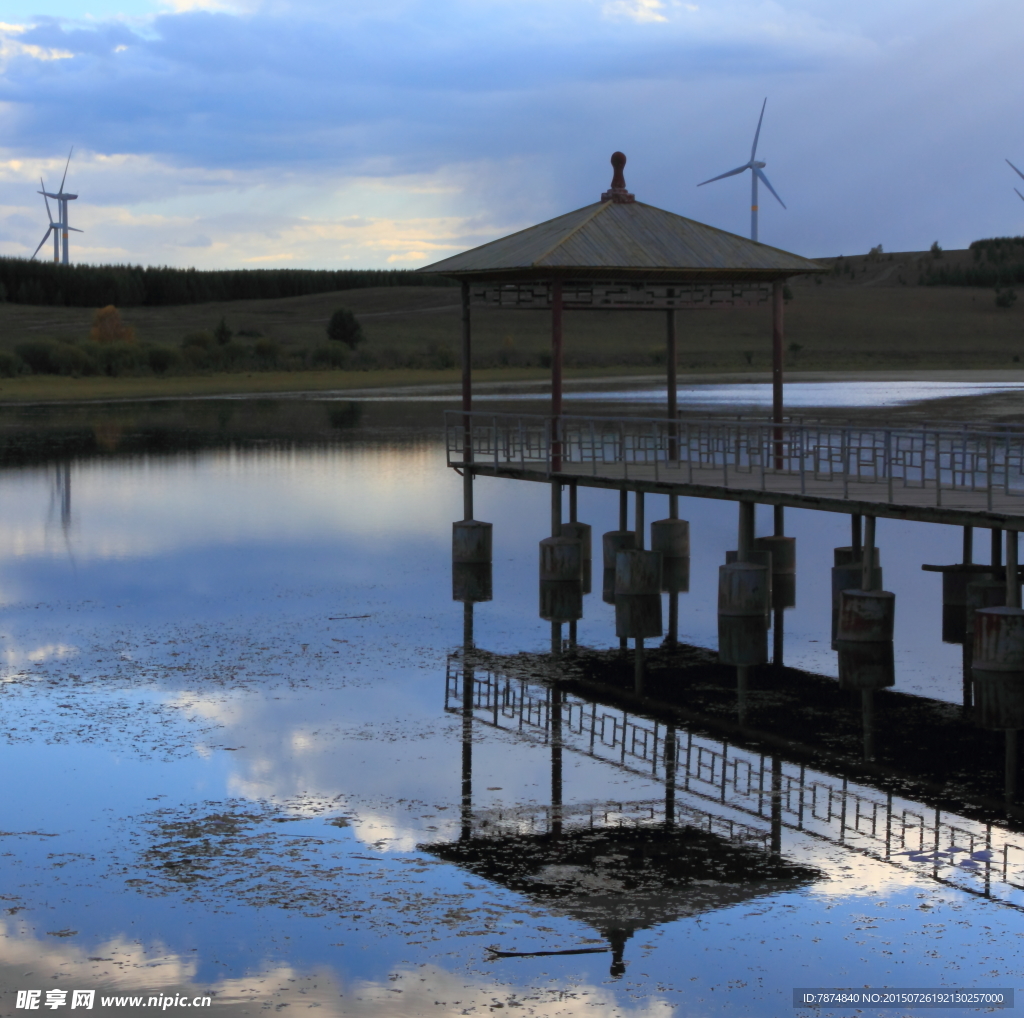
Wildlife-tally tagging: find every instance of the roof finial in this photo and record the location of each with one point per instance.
(617, 192)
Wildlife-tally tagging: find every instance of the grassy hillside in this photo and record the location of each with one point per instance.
(870, 313)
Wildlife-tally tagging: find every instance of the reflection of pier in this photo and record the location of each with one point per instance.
(743, 792)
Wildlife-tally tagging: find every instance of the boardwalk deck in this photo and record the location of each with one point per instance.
(959, 476)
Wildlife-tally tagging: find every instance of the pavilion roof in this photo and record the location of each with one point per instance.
(618, 239)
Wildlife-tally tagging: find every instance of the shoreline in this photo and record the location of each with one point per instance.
(43, 389)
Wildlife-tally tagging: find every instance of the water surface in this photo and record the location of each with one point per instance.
(236, 748)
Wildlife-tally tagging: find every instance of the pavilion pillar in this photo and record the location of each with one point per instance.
(467, 406)
(556, 374)
(777, 335)
(671, 357)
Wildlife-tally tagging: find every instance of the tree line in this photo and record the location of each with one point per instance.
(997, 262)
(23, 281)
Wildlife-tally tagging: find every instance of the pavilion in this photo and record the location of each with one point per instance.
(622, 254)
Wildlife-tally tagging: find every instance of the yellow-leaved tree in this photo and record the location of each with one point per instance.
(107, 327)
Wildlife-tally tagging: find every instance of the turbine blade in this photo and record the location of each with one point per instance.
(49, 214)
(722, 176)
(1019, 195)
(757, 133)
(764, 180)
(1015, 170)
(46, 237)
(66, 165)
(74, 229)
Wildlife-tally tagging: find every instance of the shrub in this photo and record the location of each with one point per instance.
(250, 333)
(329, 355)
(233, 352)
(66, 359)
(107, 327)
(222, 333)
(936, 250)
(440, 355)
(36, 354)
(10, 365)
(162, 359)
(196, 356)
(203, 340)
(345, 328)
(1005, 298)
(116, 358)
(267, 350)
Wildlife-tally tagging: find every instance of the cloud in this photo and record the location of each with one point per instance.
(449, 122)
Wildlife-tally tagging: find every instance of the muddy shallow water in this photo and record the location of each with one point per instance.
(247, 754)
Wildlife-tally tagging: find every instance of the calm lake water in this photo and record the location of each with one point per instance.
(239, 762)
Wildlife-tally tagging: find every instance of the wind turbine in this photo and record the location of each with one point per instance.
(1019, 174)
(58, 228)
(756, 167)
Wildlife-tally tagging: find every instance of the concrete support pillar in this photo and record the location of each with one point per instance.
(743, 640)
(671, 537)
(615, 541)
(866, 616)
(744, 589)
(576, 531)
(782, 550)
(999, 639)
(638, 572)
(560, 559)
(471, 541)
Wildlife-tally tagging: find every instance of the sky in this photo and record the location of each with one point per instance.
(306, 133)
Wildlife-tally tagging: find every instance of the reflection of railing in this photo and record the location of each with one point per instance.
(744, 453)
(750, 786)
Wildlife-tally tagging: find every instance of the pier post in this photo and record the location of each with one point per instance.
(556, 509)
(466, 810)
(968, 555)
(855, 539)
(868, 566)
(623, 509)
(745, 540)
(997, 547)
(742, 689)
(670, 368)
(779, 520)
(777, 367)
(638, 522)
(673, 507)
(572, 502)
(1012, 581)
(467, 406)
(556, 762)
(556, 375)
(670, 756)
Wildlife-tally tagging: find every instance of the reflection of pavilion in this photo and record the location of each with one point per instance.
(618, 867)
(747, 796)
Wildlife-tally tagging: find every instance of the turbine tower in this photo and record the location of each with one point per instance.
(60, 227)
(1019, 174)
(756, 167)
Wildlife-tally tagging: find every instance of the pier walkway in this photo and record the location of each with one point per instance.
(966, 476)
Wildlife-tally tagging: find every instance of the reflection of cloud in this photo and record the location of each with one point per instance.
(15, 657)
(131, 509)
(123, 966)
